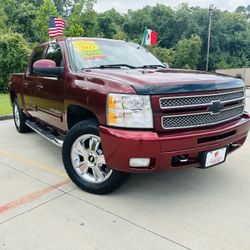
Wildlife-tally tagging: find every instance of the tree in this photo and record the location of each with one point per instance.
(82, 20)
(187, 53)
(14, 53)
(111, 23)
(107, 27)
(74, 30)
(120, 35)
(163, 54)
(90, 23)
(241, 9)
(22, 22)
(136, 23)
(19, 16)
(3, 20)
(41, 22)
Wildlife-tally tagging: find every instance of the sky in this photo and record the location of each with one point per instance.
(124, 5)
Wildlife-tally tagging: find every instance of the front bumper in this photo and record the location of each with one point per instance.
(162, 149)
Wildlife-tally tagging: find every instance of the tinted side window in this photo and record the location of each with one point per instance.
(54, 53)
(37, 55)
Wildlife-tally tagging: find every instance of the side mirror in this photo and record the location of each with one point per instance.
(47, 67)
(166, 65)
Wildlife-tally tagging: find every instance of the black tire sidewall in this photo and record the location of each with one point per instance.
(109, 185)
(22, 118)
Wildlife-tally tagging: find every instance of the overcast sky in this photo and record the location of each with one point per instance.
(124, 5)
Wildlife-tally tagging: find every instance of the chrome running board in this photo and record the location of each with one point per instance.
(46, 133)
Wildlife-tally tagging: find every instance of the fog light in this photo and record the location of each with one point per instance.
(139, 162)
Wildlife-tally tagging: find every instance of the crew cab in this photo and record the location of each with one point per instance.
(115, 109)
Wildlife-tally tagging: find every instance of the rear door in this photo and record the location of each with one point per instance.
(31, 91)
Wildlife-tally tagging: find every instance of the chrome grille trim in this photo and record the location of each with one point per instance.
(200, 100)
(207, 117)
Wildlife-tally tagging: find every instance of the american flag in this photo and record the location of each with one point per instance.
(56, 26)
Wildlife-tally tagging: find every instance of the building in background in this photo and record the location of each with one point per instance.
(243, 73)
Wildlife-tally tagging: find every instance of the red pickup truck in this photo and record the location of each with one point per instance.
(115, 109)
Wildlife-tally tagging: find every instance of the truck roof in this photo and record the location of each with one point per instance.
(86, 38)
(76, 38)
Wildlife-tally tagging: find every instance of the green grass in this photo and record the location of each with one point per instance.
(5, 107)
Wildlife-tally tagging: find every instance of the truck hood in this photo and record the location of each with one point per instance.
(166, 81)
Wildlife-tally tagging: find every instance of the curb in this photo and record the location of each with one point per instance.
(6, 117)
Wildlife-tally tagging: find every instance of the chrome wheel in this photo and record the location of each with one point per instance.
(88, 159)
(16, 115)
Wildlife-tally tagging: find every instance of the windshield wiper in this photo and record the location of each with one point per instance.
(116, 66)
(120, 65)
(154, 66)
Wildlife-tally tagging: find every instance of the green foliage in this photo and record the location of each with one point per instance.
(90, 24)
(60, 5)
(182, 32)
(22, 22)
(163, 54)
(41, 22)
(187, 53)
(83, 20)
(14, 53)
(120, 35)
(74, 30)
(18, 16)
(110, 24)
(3, 20)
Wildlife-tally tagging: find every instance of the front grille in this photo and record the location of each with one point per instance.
(200, 100)
(201, 119)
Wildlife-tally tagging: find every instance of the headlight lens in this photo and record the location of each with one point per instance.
(130, 111)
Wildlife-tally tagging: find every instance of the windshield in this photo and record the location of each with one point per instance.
(94, 53)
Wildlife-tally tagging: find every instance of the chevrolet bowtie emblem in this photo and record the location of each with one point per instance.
(215, 107)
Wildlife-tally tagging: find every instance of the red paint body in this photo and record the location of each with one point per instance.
(120, 146)
(47, 99)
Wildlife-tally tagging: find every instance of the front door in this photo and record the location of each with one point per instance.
(50, 108)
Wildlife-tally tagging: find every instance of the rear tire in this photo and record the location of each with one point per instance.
(19, 118)
(84, 160)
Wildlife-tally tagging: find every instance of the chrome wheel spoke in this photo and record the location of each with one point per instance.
(94, 144)
(80, 149)
(101, 160)
(83, 167)
(97, 173)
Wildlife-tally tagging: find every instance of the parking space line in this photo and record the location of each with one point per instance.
(30, 197)
(32, 162)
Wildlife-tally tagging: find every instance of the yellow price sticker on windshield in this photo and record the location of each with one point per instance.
(88, 49)
(85, 45)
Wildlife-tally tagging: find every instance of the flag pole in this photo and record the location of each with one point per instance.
(142, 41)
(49, 23)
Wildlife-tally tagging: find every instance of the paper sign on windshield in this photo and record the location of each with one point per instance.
(88, 49)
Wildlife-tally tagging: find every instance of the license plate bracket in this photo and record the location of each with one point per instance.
(214, 157)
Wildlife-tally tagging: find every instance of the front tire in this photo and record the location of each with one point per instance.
(84, 160)
(19, 118)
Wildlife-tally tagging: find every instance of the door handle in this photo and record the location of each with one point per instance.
(39, 87)
(88, 78)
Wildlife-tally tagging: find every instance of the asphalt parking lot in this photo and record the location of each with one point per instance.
(40, 208)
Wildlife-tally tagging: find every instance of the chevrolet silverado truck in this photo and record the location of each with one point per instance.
(115, 109)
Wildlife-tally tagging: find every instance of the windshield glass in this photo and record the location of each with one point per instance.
(94, 53)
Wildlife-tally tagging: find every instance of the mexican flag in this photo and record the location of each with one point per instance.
(149, 37)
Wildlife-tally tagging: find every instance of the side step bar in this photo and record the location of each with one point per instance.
(45, 132)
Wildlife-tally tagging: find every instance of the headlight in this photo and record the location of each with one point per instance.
(129, 111)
